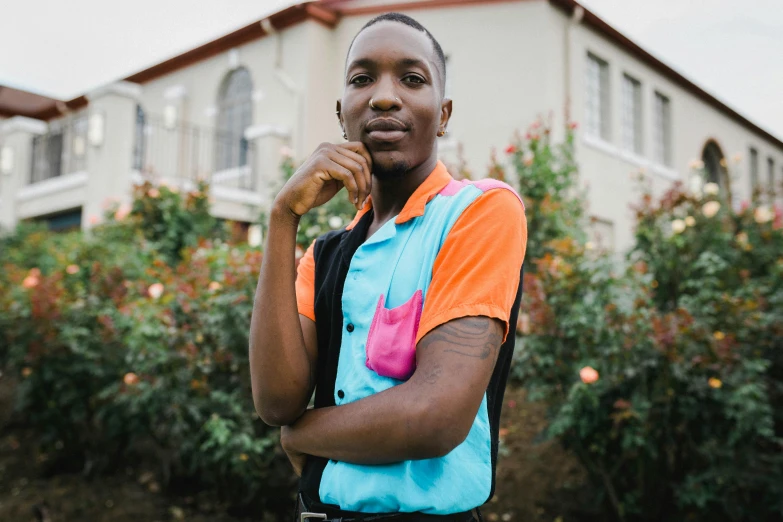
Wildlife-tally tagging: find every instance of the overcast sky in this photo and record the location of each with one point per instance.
(731, 48)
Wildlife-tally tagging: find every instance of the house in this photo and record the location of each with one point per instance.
(226, 111)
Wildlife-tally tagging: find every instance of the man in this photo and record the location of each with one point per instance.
(400, 322)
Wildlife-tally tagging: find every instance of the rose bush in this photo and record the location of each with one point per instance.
(663, 376)
(131, 342)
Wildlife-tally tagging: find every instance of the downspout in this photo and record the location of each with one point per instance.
(289, 83)
(576, 17)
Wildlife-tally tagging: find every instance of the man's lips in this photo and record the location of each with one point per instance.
(386, 130)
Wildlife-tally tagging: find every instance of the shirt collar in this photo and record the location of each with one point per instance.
(417, 202)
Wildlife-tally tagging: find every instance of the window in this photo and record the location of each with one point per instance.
(139, 144)
(47, 156)
(597, 99)
(771, 176)
(63, 221)
(235, 114)
(632, 114)
(662, 138)
(601, 233)
(754, 169)
(715, 164)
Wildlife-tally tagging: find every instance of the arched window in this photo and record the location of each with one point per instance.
(715, 165)
(235, 114)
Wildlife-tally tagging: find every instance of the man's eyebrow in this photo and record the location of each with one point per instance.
(366, 63)
(369, 63)
(414, 62)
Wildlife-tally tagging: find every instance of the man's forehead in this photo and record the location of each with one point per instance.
(392, 40)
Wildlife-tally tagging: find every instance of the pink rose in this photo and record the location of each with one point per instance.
(588, 375)
(122, 212)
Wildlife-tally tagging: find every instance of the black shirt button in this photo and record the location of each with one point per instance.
(349, 327)
(340, 393)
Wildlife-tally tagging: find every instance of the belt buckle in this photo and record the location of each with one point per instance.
(304, 516)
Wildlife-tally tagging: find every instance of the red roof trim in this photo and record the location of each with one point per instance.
(280, 20)
(408, 6)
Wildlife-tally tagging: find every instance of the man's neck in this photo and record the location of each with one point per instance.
(389, 196)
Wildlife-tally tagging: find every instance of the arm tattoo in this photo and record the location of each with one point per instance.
(471, 337)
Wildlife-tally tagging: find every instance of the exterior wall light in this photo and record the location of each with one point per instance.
(6, 160)
(169, 117)
(95, 129)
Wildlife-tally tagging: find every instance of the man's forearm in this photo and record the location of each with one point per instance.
(279, 367)
(390, 426)
(424, 417)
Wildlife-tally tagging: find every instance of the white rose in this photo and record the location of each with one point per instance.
(763, 214)
(711, 189)
(690, 221)
(335, 222)
(710, 208)
(155, 290)
(254, 235)
(678, 226)
(696, 165)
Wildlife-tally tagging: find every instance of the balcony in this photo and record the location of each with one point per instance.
(61, 151)
(181, 153)
(75, 164)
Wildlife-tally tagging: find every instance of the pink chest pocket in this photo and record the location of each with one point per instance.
(391, 342)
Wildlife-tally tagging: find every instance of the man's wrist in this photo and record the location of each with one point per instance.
(281, 214)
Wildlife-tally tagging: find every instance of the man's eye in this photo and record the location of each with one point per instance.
(414, 78)
(361, 79)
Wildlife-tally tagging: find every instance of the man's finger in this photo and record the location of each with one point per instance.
(342, 174)
(359, 148)
(355, 168)
(366, 171)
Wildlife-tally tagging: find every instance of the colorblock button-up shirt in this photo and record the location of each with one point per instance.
(455, 250)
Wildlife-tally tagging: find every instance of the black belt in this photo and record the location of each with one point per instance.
(317, 512)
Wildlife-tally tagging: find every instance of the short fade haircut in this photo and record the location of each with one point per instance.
(410, 22)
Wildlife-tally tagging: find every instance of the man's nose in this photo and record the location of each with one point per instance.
(384, 98)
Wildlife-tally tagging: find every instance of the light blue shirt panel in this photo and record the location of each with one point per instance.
(403, 254)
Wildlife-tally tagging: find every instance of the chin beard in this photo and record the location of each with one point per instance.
(394, 169)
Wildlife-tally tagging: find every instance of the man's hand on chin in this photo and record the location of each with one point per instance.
(296, 458)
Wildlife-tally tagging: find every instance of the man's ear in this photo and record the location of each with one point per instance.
(445, 113)
(339, 110)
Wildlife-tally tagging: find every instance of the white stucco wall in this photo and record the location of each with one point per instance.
(608, 169)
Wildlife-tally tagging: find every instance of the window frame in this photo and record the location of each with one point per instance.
(662, 129)
(598, 108)
(234, 116)
(632, 115)
(753, 168)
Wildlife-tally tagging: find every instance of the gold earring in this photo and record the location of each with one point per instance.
(441, 133)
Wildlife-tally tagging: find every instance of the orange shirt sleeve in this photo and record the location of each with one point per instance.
(305, 284)
(476, 272)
